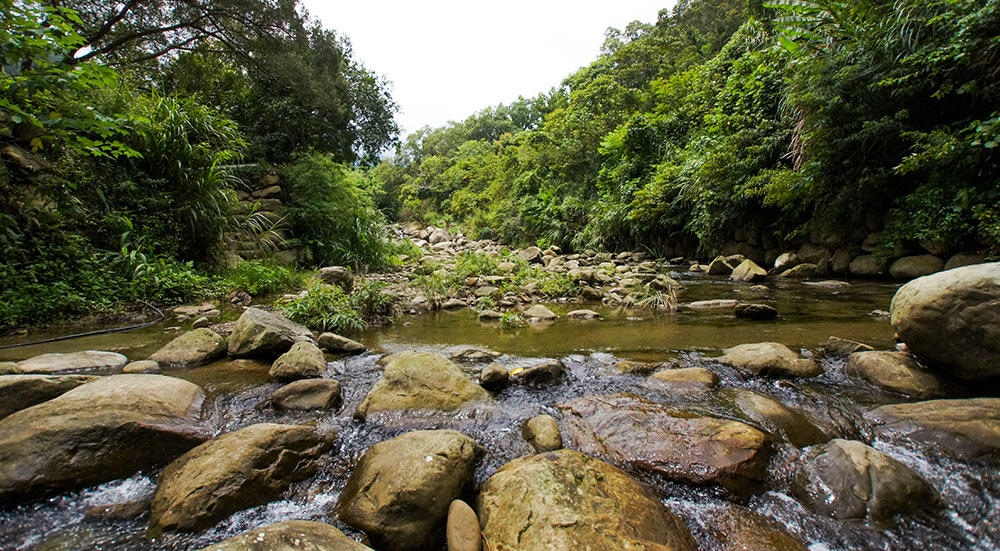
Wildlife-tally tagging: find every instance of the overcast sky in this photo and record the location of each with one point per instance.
(450, 58)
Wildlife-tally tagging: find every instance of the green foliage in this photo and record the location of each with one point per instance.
(558, 285)
(512, 320)
(330, 308)
(258, 278)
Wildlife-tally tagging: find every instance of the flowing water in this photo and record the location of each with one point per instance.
(967, 517)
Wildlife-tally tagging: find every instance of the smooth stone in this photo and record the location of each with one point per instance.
(546, 372)
(896, 372)
(836, 346)
(490, 315)
(540, 312)
(191, 349)
(494, 376)
(420, 380)
(307, 394)
(583, 314)
(400, 491)
(88, 360)
(785, 262)
(542, 433)
(707, 304)
(964, 259)
(304, 360)
(293, 535)
(258, 333)
(453, 304)
(788, 423)
(755, 312)
(19, 392)
(827, 284)
(233, 472)
(474, 355)
(337, 275)
(845, 479)
(683, 380)
(336, 344)
(867, 265)
(800, 271)
(672, 443)
(967, 429)
(628, 367)
(748, 270)
(912, 267)
(201, 323)
(531, 255)
(462, 532)
(142, 366)
(769, 359)
(565, 500)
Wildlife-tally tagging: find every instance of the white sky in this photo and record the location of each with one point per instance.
(450, 58)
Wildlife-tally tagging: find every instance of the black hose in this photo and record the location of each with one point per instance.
(91, 333)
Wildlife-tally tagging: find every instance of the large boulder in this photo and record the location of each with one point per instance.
(307, 394)
(236, 471)
(769, 359)
(786, 422)
(967, 429)
(912, 267)
(951, 320)
(896, 372)
(867, 265)
(193, 348)
(420, 380)
(259, 333)
(675, 444)
(304, 360)
(103, 430)
(87, 360)
(400, 491)
(292, 535)
(19, 392)
(720, 266)
(846, 479)
(566, 501)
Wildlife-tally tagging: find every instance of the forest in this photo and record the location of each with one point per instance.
(130, 132)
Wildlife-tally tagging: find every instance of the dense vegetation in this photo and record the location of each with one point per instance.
(727, 118)
(119, 123)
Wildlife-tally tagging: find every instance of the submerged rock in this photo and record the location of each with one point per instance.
(293, 535)
(542, 433)
(307, 394)
(628, 367)
(304, 360)
(193, 348)
(896, 372)
(420, 380)
(142, 366)
(103, 430)
(786, 422)
(19, 392)
(686, 379)
(739, 529)
(756, 312)
(836, 346)
(951, 320)
(545, 372)
(967, 429)
(583, 314)
(567, 501)
(264, 334)
(675, 444)
(401, 489)
(845, 479)
(769, 359)
(87, 360)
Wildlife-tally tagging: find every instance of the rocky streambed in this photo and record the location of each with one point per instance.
(635, 429)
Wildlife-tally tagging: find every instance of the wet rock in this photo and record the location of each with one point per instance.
(788, 423)
(748, 270)
(755, 312)
(490, 315)
(785, 262)
(845, 479)
(474, 355)
(19, 392)
(336, 344)
(964, 259)
(187, 312)
(494, 377)
(800, 271)
(119, 511)
(337, 275)
(265, 334)
(675, 444)
(739, 529)
(628, 367)
(911, 267)
(951, 320)
(545, 372)
(895, 371)
(88, 360)
(142, 366)
(8, 368)
(236, 471)
(191, 349)
(304, 360)
(103, 430)
(307, 394)
(540, 312)
(760, 288)
(708, 304)
(583, 314)
(867, 265)
(686, 379)
(463, 528)
(454, 304)
(720, 267)
(293, 535)
(420, 380)
(967, 429)
(565, 500)
(769, 359)
(401, 489)
(531, 255)
(542, 433)
(836, 346)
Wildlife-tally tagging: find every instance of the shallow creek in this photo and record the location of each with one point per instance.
(970, 494)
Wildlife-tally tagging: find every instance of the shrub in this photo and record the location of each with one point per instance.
(330, 308)
(258, 278)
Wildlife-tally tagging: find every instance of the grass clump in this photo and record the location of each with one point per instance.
(331, 308)
(258, 278)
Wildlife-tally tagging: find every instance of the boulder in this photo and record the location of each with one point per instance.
(542, 433)
(337, 275)
(967, 429)
(335, 344)
(840, 262)
(420, 380)
(785, 261)
(951, 320)
(737, 528)
(142, 366)
(748, 270)
(564, 500)
(845, 479)
(103, 430)
(400, 491)
(628, 367)
(304, 360)
(545, 372)
(800, 271)
(720, 267)
(814, 254)
(453, 304)
(686, 379)
(88, 360)
(867, 265)
(531, 255)
(193, 348)
(787, 423)
(836, 346)
(307, 394)
(439, 235)
(463, 528)
(8, 368)
(264, 334)
(583, 314)
(236, 471)
(494, 376)
(540, 312)
(912, 267)
(675, 444)
(769, 359)
(755, 312)
(896, 372)
(19, 392)
(964, 259)
(292, 535)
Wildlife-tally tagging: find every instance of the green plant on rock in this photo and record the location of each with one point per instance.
(557, 286)
(512, 320)
(324, 308)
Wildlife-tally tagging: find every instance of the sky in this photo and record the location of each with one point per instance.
(448, 59)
